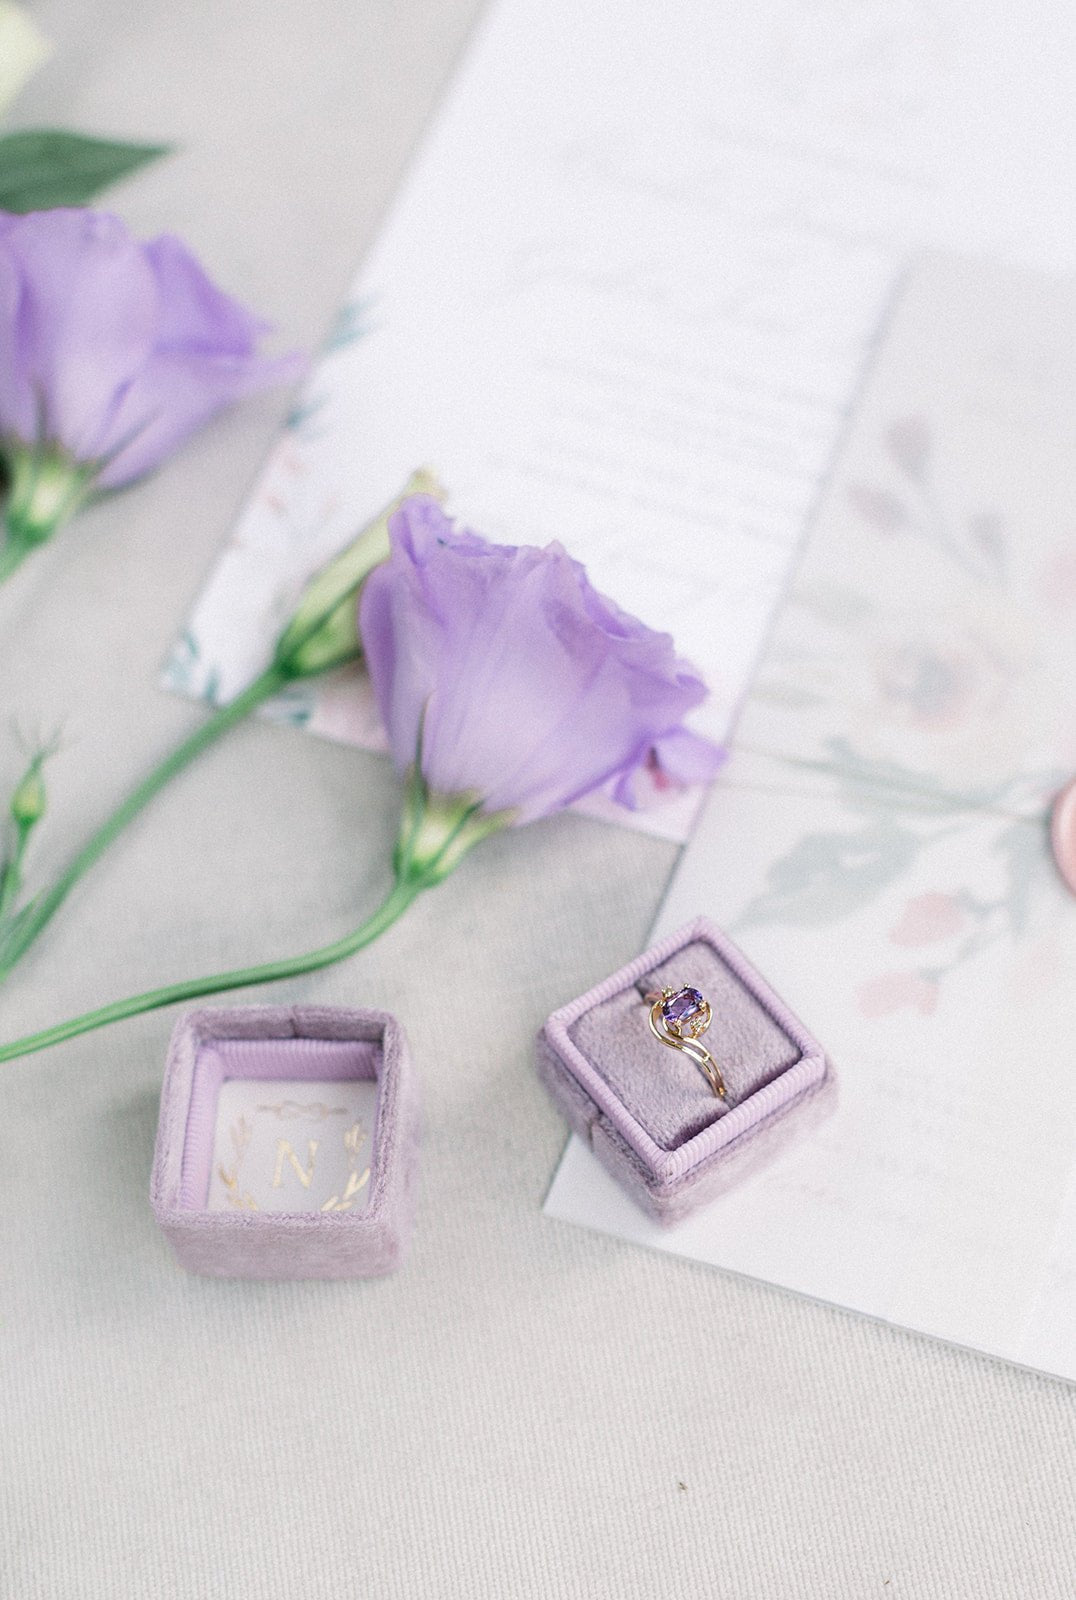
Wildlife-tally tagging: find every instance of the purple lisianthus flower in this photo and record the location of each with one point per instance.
(509, 687)
(675, 761)
(112, 352)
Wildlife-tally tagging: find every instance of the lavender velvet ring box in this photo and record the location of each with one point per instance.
(287, 1145)
(646, 1109)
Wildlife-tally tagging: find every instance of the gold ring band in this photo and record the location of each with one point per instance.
(677, 1018)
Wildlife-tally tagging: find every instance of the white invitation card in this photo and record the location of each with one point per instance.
(624, 297)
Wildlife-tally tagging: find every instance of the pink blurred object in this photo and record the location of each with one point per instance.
(1063, 833)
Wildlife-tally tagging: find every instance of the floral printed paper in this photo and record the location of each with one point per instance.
(880, 846)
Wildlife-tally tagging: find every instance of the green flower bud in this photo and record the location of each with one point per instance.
(324, 631)
(47, 487)
(29, 800)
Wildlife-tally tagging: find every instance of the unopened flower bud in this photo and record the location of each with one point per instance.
(324, 630)
(29, 800)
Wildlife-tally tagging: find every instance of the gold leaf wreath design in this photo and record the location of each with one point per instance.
(241, 1133)
(355, 1182)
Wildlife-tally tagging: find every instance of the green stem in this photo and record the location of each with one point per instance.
(401, 897)
(44, 907)
(11, 874)
(12, 555)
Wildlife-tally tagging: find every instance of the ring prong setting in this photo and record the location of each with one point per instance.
(685, 1012)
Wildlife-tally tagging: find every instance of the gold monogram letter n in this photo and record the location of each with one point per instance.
(284, 1152)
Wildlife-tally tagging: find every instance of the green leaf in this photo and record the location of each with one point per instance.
(825, 877)
(46, 167)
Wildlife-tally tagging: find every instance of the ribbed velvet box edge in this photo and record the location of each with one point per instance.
(280, 1245)
(671, 1185)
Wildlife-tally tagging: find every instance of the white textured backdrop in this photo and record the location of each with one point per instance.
(525, 1410)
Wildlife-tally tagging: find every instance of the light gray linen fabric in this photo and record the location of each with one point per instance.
(526, 1409)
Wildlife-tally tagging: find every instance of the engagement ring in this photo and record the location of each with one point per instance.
(677, 1018)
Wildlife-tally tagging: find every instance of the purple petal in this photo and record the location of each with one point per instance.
(532, 688)
(16, 400)
(675, 761)
(204, 359)
(401, 636)
(196, 315)
(115, 349)
(85, 321)
(171, 397)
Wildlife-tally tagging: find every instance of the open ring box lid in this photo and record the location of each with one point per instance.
(646, 1109)
(287, 1142)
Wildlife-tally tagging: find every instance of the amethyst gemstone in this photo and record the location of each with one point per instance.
(682, 1005)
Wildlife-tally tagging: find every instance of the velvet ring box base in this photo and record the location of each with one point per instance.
(647, 1111)
(287, 1143)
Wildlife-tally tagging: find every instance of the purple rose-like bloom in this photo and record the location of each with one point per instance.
(529, 689)
(112, 352)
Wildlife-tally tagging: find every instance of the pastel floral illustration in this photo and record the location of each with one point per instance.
(934, 685)
(881, 508)
(909, 443)
(978, 548)
(928, 918)
(509, 688)
(827, 875)
(112, 352)
(862, 857)
(1057, 578)
(898, 991)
